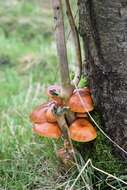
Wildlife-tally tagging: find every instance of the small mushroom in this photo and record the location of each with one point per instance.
(53, 93)
(81, 104)
(66, 154)
(82, 130)
(46, 129)
(39, 114)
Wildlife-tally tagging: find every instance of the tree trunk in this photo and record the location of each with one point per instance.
(103, 27)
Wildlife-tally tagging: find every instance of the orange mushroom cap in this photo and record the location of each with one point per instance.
(46, 129)
(39, 114)
(82, 130)
(81, 115)
(75, 103)
(85, 89)
(53, 89)
(53, 92)
(49, 114)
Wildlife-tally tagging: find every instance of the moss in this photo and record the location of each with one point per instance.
(101, 152)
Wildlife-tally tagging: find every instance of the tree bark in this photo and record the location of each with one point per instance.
(103, 27)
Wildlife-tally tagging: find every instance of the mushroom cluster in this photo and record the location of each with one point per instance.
(45, 118)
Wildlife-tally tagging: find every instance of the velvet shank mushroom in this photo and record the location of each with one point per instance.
(82, 130)
(53, 93)
(81, 104)
(39, 114)
(81, 115)
(46, 129)
(49, 114)
(43, 113)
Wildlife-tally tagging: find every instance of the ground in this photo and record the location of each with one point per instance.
(28, 64)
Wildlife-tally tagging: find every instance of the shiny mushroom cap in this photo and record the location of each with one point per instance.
(39, 114)
(53, 93)
(81, 104)
(46, 129)
(82, 130)
(49, 114)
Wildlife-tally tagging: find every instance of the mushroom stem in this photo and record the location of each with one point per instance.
(76, 43)
(61, 49)
(63, 126)
(70, 116)
(59, 114)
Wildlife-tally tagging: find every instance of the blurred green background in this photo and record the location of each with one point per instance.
(28, 64)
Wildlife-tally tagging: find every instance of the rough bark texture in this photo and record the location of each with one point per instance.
(103, 26)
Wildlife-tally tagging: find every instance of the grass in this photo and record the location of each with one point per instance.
(28, 64)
